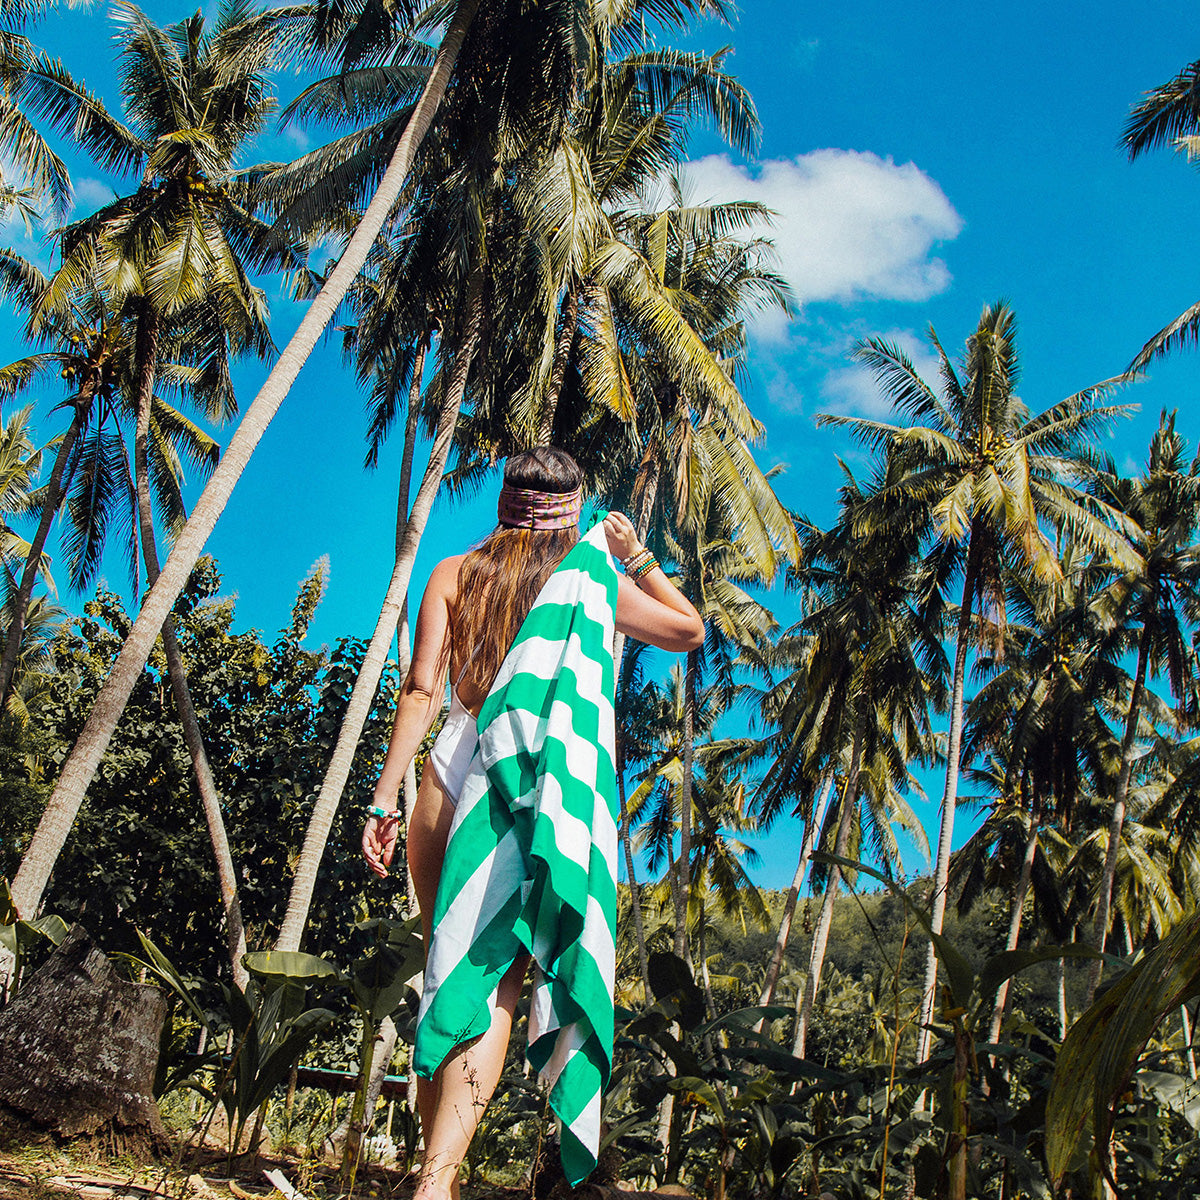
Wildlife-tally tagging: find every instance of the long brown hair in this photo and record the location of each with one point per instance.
(499, 580)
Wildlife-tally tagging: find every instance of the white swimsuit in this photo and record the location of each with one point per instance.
(455, 745)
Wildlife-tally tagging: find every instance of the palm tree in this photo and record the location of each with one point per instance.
(1040, 719)
(448, 238)
(716, 566)
(665, 738)
(1167, 115)
(39, 175)
(169, 258)
(92, 354)
(633, 125)
(1143, 607)
(443, 272)
(35, 666)
(793, 774)
(645, 727)
(977, 474)
(20, 465)
(466, 344)
(875, 667)
(30, 881)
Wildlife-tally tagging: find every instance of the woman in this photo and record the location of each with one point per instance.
(472, 610)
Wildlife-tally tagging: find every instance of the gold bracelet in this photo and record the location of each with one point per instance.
(643, 569)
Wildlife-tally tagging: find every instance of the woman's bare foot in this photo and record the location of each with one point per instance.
(435, 1185)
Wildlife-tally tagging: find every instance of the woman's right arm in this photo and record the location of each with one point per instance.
(421, 697)
(652, 609)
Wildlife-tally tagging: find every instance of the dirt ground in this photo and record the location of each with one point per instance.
(43, 1171)
(36, 1166)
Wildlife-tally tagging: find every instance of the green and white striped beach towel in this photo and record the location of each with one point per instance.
(531, 861)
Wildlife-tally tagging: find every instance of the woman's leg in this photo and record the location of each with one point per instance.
(426, 849)
(465, 1084)
(451, 1104)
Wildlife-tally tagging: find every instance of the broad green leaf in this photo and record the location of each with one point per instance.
(1008, 963)
(290, 966)
(1101, 1050)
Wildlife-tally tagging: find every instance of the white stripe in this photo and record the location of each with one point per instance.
(484, 894)
(570, 1039)
(586, 1126)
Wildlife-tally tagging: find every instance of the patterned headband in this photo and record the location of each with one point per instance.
(527, 509)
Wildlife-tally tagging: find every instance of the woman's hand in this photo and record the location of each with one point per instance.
(379, 843)
(622, 537)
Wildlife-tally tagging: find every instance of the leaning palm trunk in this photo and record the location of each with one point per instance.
(235, 935)
(403, 642)
(816, 959)
(816, 820)
(941, 877)
(683, 867)
(558, 373)
(1014, 923)
(55, 490)
(63, 806)
(365, 686)
(1117, 820)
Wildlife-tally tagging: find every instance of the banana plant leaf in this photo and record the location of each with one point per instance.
(1101, 1050)
(379, 979)
(288, 966)
(17, 935)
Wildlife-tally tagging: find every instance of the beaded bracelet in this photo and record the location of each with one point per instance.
(643, 569)
(385, 814)
(634, 561)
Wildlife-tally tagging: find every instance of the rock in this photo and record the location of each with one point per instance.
(79, 1047)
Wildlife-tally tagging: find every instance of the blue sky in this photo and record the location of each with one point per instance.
(923, 160)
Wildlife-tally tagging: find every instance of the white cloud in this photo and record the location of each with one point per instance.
(852, 389)
(92, 193)
(849, 225)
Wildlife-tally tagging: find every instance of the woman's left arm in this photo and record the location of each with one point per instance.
(421, 697)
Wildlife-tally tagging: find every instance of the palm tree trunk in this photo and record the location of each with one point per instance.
(645, 489)
(635, 900)
(210, 799)
(562, 355)
(80, 765)
(816, 958)
(365, 686)
(1185, 1018)
(1014, 923)
(816, 820)
(641, 524)
(403, 639)
(55, 490)
(683, 866)
(1117, 820)
(941, 877)
(718, 1048)
(1061, 992)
